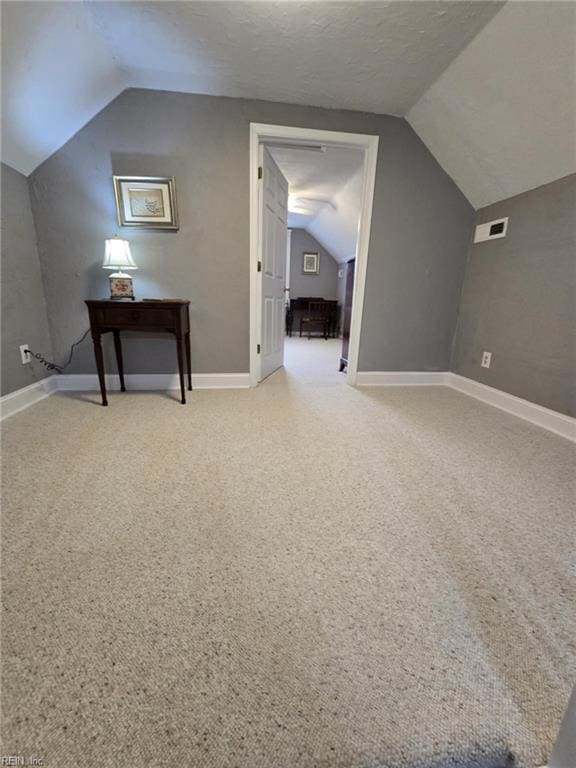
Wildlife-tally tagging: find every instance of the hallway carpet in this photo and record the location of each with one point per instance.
(304, 575)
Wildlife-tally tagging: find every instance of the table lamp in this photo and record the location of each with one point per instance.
(117, 256)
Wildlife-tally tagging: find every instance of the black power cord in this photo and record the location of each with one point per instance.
(54, 366)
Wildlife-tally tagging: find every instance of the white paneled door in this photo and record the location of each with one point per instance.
(273, 235)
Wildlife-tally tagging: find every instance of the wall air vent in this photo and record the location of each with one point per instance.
(492, 230)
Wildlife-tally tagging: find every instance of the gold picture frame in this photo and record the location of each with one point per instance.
(148, 202)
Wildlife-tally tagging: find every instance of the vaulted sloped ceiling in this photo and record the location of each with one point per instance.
(325, 193)
(57, 73)
(489, 87)
(336, 227)
(501, 118)
(63, 61)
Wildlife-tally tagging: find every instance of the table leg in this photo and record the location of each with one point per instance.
(188, 359)
(118, 348)
(97, 340)
(179, 353)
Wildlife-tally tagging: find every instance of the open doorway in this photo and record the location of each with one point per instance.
(310, 214)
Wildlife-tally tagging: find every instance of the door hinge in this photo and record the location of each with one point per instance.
(258, 349)
(259, 171)
(259, 266)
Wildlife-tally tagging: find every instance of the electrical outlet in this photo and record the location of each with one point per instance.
(24, 356)
(486, 359)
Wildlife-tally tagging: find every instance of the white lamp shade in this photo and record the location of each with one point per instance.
(117, 255)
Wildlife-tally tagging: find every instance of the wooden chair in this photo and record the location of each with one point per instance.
(319, 314)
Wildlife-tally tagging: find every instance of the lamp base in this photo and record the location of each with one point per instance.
(121, 286)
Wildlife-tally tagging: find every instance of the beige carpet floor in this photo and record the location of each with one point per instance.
(304, 575)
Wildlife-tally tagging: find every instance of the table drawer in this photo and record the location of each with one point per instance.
(136, 316)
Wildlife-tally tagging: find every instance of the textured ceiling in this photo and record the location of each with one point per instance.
(488, 87)
(327, 185)
(63, 61)
(378, 57)
(317, 174)
(57, 73)
(501, 119)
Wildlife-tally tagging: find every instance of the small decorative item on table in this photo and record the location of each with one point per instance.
(117, 256)
(147, 202)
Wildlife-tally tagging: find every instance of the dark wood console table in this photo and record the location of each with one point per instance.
(113, 316)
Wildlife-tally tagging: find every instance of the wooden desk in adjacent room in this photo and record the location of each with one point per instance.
(165, 315)
(299, 306)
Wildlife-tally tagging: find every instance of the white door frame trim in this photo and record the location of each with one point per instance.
(259, 133)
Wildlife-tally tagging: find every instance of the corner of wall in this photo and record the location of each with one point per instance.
(24, 315)
(451, 362)
(41, 267)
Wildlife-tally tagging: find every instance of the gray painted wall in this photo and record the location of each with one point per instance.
(23, 307)
(325, 284)
(519, 300)
(420, 230)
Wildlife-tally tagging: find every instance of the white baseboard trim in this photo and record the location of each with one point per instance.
(555, 422)
(152, 381)
(14, 402)
(399, 378)
(559, 423)
(27, 396)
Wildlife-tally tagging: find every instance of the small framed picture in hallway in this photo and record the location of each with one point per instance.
(311, 264)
